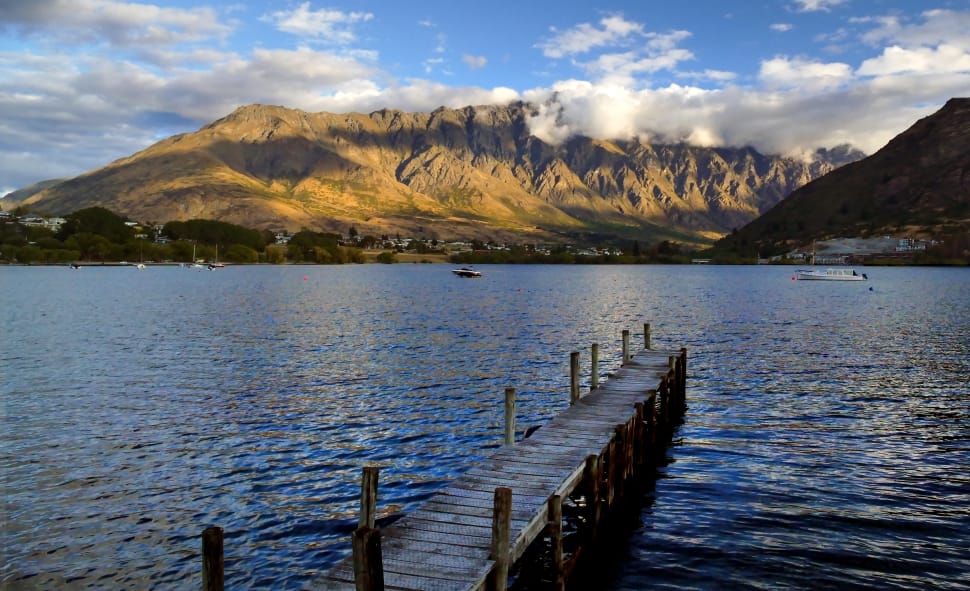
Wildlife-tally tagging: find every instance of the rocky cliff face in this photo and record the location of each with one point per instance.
(918, 185)
(474, 172)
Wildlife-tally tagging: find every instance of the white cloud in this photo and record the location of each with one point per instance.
(474, 61)
(816, 5)
(785, 73)
(585, 37)
(734, 116)
(118, 24)
(938, 27)
(922, 60)
(625, 68)
(431, 63)
(781, 27)
(325, 25)
(719, 75)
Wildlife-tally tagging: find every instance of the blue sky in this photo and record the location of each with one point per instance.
(84, 82)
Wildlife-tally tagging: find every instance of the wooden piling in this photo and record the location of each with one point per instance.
(619, 486)
(574, 377)
(368, 497)
(651, 410)
(213, 575)
(663, 415)
(501, 542)
(593, 476)
(683, 374)
(626, 347)
(510, 416)
(639, 435)
(594, 376)
(646, 335)
(611, 474)
(368, 562)
(554, 526)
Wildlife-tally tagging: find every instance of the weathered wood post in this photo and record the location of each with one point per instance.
(639, 437)
(663, 416)
(574, 377)
(368, 562)
(368, 497)
(593, 474)
(594, 376)
(626, 346)
(510, 416)
(501, 542)
(673, 373)
(683, 374)
(652, 418)
(611, 475)
(619, 435)
(646, 335)
(366, 539)
(555, 541)
(213, 575)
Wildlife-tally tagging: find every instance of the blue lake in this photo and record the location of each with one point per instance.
(827, 443)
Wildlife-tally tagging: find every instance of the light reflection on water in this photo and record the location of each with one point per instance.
(826, 444)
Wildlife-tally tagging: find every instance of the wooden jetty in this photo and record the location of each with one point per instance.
(470, 534)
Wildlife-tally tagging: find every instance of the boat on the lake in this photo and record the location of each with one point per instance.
(829, 275)
(466, 272)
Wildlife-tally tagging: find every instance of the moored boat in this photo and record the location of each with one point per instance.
(466, 272)
(829, 275)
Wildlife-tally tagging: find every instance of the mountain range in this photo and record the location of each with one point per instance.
(472, 173)
(917, 185)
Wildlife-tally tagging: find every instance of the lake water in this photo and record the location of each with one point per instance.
(827, 443)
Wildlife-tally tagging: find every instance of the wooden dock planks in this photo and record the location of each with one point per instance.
(446, 544)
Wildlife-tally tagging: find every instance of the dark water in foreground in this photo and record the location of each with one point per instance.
(827, 443)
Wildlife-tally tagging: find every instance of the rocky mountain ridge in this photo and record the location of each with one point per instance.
(916, 186)
(474, 172)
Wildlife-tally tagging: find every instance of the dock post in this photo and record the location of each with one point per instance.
(501, 542)
(646, 335)
(510, 416)
(611, 475)
(626, 346)
(368, 562)
(683, 375)
(573, 377)
(652, 418)
(594, 376)
(663, 418)
(619, 486)
(213, 575)
(639, 437)
(594, 495)
(555, 541)
(366, 539)
(368, 497)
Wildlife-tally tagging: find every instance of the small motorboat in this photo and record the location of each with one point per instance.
(466, 272)
(829, 275)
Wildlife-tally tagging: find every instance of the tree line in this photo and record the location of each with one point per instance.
(96, 234)
(99, 235)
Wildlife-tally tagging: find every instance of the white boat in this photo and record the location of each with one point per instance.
(829, 275)
(466, 272)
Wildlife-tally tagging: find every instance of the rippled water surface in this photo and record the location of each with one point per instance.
(827, 444)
